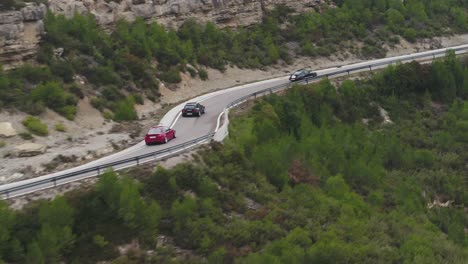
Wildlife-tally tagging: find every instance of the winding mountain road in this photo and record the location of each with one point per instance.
(190, 128)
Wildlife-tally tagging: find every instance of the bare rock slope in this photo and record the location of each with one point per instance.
(225, 13)
(20, 33)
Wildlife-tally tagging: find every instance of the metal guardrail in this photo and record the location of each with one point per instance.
(349, 70)
(55, 181)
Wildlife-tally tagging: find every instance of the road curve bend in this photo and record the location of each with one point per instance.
(191, 128)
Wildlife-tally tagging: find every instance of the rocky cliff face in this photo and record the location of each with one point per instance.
(225, 13)
(20, 33)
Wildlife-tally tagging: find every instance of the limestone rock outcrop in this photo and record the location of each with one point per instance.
(7, 130)
(29, 149)
(20, 33)
(225, 13)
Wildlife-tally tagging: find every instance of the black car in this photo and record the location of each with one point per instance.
(301, 75)
(193, 109)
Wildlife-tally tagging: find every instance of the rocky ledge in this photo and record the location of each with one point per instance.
(225, 13)
(20, 33)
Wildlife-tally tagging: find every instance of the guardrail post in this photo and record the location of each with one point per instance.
(138, 160)
(98, 171)
(347, 72)
(370, 67)
(271, 91)
(7, 194)
(55, 182)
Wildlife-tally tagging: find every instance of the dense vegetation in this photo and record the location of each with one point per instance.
(376, 22)
(314, 176)
(129, 62)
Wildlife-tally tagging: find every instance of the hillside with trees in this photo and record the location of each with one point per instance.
(312, 176)
(125, 65)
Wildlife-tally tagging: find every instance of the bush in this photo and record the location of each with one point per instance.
(68, 112)
(60, 127)
(98, 103)
(138, 98)
(45, 54)
(192, 72)
(108, 115)
(112, 93)
(76, 90)
(203, 74)
(171, 76)
(103, 75)
(410, 34)
(51, 94)
(62, 69)
(54, 97)
(32, 74)
(26, 135)
(2, 144)
(125, 111)
(35, 126)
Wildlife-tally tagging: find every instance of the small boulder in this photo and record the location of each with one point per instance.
(7, 130)
(30, 149)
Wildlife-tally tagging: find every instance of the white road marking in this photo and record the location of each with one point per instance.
(175, 121)
(219, 120)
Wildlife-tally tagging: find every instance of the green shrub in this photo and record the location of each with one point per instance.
(98, 103)
(192, 71)
(171, 76)
(125, 111)
(410, 34)
(2, 144)
(203, 74)
(68, 112)
(100, 241)
(32, 74)
(35, 126)
(33, 108)
(45, 54)
(60, 127)
(62, 69)
(51, 94)
(112, 93)
(26, 135)
(138, 98)
(54, 97)
(76, 90)
(103, 76)
(108, 115)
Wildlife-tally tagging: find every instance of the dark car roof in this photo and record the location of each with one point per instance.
(191, 103)
(299, 71)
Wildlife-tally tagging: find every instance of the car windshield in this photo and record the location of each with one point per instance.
(190, 106)
(156, 130)
(298, 72)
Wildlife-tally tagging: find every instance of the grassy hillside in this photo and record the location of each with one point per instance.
(314, 176)
(126, 65)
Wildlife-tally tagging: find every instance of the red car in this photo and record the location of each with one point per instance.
(159, 134)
